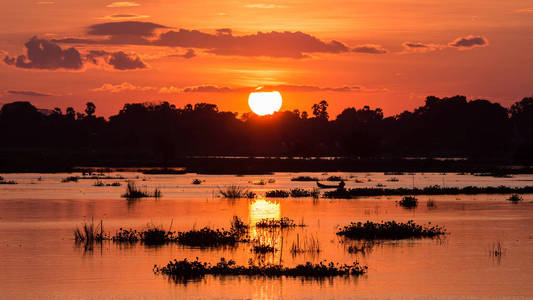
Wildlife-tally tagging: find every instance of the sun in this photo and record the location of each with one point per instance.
(264, 103)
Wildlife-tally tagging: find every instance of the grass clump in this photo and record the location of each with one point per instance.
(263, 249)
(236, 192)
(207, 237)
(7, 182)
(277, 194)
(390, 230)
(134, 192)
(515, 198)
(304, 178)
(307, 245)
(89, 233)
(70, 179)
(408, 202)
(430, 190)
(182, 270)
(284, 222)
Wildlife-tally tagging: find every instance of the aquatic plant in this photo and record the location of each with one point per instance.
(389, 230)
(515, 198)
(307, 245)
(431, 204)
(156, 235)
(297, 192)
(408, 202)
(277, 194)
(134, 192)
(70, 179)
(184, 269)
(496, 249)
(235, 192)
(196, 181)
(393, 179)
(334, 178)
(99, 183)
(8, 182)
(238, 227)
(430, 190)
(364, 248)
(116, 183)
(207, 237)
(284, 222)
(126, 236)
(304, 178)
(263, 249)
(89, 233)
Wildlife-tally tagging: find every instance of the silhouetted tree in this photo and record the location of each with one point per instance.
(320, 110)
(90, 109)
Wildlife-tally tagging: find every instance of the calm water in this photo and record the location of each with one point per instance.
(39, 259)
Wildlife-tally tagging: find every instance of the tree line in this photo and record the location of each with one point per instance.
(442, 127)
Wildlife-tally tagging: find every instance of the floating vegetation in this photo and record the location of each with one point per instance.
(295, 193)
(7, 181)
(391, 230)
(196, 181)
(277, 194)
(304, 178)
(393, 179)
(335, 178)
(263, 249)
(364, 248)
(70, 179)
(235, 192)
(430, 190)
(99, 183)
(126, 236)
(408, 202)
(306, 245)
(207, 237)
(134, 192)
(284, 222)
(182, 270)
(89, 233)
(515, 198)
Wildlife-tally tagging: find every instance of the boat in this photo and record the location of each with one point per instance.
(328, 186)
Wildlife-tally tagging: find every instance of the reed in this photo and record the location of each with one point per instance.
(236, 192)
(408, 202)
(284, 222)
(306, 245)
(389, 230)
(515, 198)
(89, 233)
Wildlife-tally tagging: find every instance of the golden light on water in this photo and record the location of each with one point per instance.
(265, 103)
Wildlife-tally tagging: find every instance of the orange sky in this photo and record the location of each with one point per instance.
(382, 53)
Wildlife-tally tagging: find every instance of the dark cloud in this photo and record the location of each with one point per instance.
(270, 44)
(223, 42)
(189, 54)
(421, 47)
(118, 60)
(28, 93)
(469, 42)
(370, 49)
(129, 28)
(43, 54)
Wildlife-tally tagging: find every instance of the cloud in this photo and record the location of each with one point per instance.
(128, 28)
(28, 93)
(118, 60)
(264, 5)
(469, 42)
(222, 42)
(270, 44)
(421, 47)
(125, 86)
(189, 54)
(206, 89)
(45, 55)
(124, 17)
(123, 4)
(280, 87)
(370, 49)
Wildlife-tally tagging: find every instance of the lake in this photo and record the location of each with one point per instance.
(40, 260)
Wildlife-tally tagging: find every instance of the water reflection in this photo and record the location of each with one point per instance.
(259, 209)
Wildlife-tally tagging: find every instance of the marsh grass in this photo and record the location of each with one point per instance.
(263, 249)
(431, 204)
(277, 194)
(430, 190)
(515, 198)
(134, 192)
(236, 192)
(295, 193)
(183, 270)
(308, 244)
(284, 222)
(390, 230)
(304, 178)
(89, 233)
(408, 202)
(7, 182)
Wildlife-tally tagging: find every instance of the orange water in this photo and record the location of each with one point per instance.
(39, 259)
